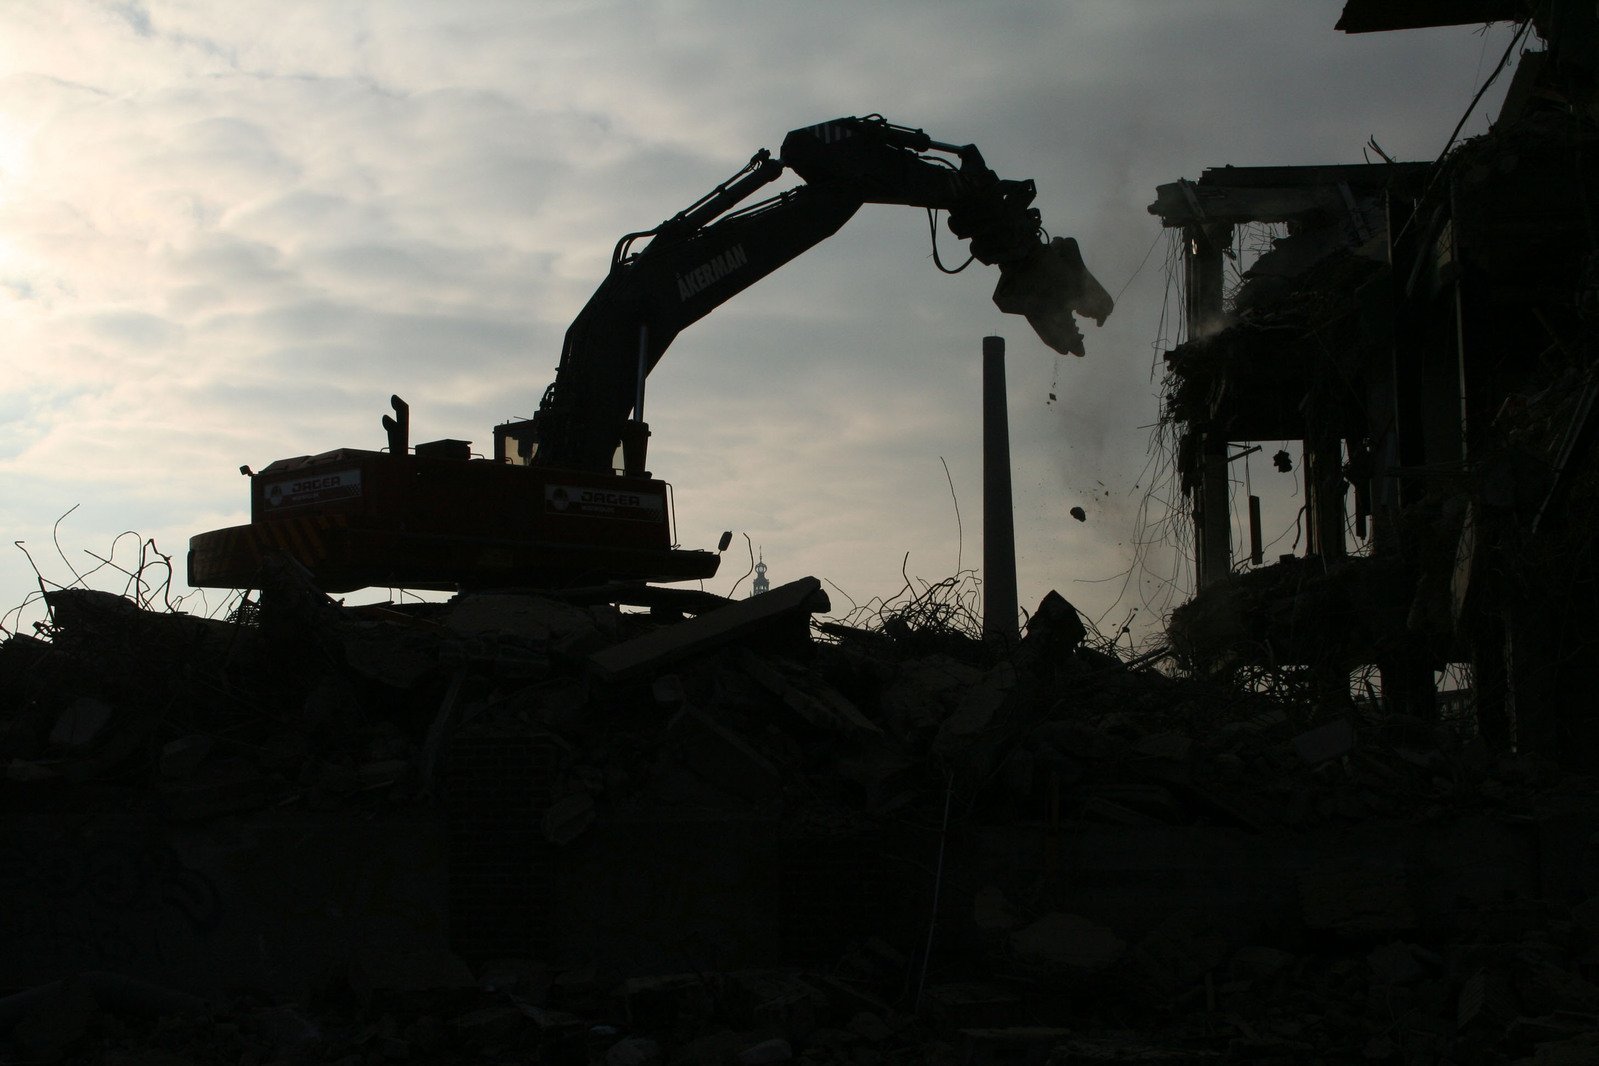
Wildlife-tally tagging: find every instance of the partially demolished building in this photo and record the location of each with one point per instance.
(1427, 333)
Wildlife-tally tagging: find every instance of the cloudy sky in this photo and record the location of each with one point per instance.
(228, 231)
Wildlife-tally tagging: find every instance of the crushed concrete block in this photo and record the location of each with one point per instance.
(523, 977)
(23, 771)
(1256, 961)
(668, 690)
(568, 818)
(879, 771)
(55, 1023)
(785, 607)
(241, 790)
(1100, 809)
(721, 758)
(657, 1003)
(81, 724)
(381, 772)
(405, 968)
(712, 1049)
(1173, 746)
(767, 1051)
(924, 692)
(1057, 623)
(773, 1001)
(1326, 742)
(1068, 941)
(182, 757)
(1396, 964)
(993, 912)
(960, 1005)
(1017, 1046)
(633, 1051)
(826, 708)
(1356, 899)
(492, 1028)
(870, 1027)
(980, 708)
(537, 618)
(395, 655)
(815, 702)
(286, 1030)
(1581, 1050)
(1586, 914)
(1179, 952)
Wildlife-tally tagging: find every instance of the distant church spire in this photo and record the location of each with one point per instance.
(761, 584)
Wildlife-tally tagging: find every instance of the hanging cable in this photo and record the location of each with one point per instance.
(932, 229)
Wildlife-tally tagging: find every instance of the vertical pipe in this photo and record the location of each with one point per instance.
(1203, 246)
(999, 532)
(643, 371)
(1257, 554)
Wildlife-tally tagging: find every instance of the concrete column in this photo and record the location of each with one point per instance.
(999, 529)
(1203, 245)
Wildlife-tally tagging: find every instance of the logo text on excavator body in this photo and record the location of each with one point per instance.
(713, 270)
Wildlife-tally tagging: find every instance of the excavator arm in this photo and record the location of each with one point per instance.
(713, 250)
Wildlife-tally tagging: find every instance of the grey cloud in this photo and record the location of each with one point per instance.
(136, 15)
(350, 340)
(227, 142)
(139, 330)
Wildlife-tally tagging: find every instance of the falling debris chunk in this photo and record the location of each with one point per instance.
(1079, 514)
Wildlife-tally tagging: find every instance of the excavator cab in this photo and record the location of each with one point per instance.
(516, 443)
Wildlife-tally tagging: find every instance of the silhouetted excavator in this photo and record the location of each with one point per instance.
(551, 509)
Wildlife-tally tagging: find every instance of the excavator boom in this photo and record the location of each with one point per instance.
(713, 250)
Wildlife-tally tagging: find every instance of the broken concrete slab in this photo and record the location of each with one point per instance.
(773, 1001)
(235, 787)
(1028, 1045)
(1174, 747)
(992, 910)
(818, 704)
(767, 1051)
(786, 608)
(379, 969)
(565, 628)
(1068, 942)
(979, 708)
(1355, 898)
(568, 818)
(180, 758)
(1326, 742)
(633, 1051)
(80, 724)
(720, 757)
(963, 1005)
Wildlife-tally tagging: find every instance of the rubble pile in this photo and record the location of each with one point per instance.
(1044, 852)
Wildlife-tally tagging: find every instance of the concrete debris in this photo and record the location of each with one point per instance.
(767, 1051)
(81, 723)
(1330, 741)
(568, 817)
(1069, 942)
(782, 614)
(566, 832)
(182, 757)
